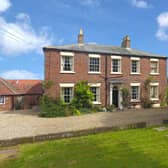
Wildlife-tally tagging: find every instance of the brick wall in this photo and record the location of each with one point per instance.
(7, 105)
(52, 72)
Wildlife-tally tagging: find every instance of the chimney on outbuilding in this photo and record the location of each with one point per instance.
(126, 43)
(80, 37)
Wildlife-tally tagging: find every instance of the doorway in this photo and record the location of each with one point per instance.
(115, 96)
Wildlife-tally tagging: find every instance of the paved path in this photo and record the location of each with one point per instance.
(24, 124)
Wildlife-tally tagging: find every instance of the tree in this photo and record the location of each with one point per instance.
(82, 95)
(126, 97)
(146, 102)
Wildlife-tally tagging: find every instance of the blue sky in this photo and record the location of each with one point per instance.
(26, 26)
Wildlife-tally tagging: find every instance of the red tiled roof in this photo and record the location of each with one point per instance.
(16, 87)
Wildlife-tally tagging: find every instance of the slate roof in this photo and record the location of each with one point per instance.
(103, 49)
(20, 87)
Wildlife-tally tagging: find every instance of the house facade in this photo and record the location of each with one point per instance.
(107, 69)
(19, 94)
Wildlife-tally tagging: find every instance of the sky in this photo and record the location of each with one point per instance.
(27, 26)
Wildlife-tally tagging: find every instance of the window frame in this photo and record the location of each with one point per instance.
(1, 103)
(66, 85)
(97, 86)
(139, 66)
(156, 61)
(154, 84)
(66, 54)
(139, 89)
(119, 58)
(94, 56)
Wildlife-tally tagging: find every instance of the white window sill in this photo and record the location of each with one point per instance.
(135, 73)
(135, 101)
(154, 73)
(94, 72)
(154, 99)
(119, 73)
(2, 103)
(95, 102)
(68, 72)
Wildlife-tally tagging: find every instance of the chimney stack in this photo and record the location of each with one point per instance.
(126, 43)
(80, 37)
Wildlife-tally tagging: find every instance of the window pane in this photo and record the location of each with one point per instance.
(154, 67)
(135, 92)
(154, 92)
(95, 91)
(135, 66)
(94, 64)
(67, 63)
(67, 94)
(115, 65)
(2, 99)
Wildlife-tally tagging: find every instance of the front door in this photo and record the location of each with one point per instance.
(115, 96)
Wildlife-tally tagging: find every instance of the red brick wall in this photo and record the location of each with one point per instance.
(8, 104)
(52, 72)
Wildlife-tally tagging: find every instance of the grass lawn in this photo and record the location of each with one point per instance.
(135, 148)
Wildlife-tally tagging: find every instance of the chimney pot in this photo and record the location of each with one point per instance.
(126, 43)
(81, 37)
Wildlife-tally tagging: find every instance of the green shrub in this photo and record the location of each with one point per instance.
(97, 108)
(76, 112)
(54, 108)
(82, 95)
(110, 108)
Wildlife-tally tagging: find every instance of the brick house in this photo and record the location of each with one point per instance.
(107, 69)
(19, 94)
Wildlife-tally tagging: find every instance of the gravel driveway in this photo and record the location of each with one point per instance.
(17, 124)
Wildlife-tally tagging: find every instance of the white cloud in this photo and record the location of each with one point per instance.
(140, 4)
(162, 21)
(4, 5)
(19, 74)
(91, 3)
(20, 37)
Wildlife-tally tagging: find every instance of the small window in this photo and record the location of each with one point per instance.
(96, 94)
(67, 63)
(135, 93)
(2, 99)
(116, 65)
(154, 67)
(67, 94)
(154, 91)
(94, 64)
(135, 66)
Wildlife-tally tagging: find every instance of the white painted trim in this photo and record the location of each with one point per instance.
(135, 58)
(135, 84)
(67, 53)
(154, 60)
(94, 55)
(154, 84)
(154, 73)
(96, 102)
(116, 57)
(94, 72)
(4, 100)
(119, 73)
(67, 84)
(68, 72)
(156, 105)
(135, 73)
(94, 84)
